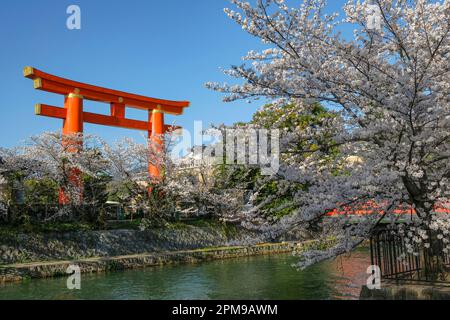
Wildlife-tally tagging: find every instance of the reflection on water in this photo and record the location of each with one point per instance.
(261, 277)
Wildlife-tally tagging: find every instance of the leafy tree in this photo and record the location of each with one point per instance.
(289, 119)
(41, 191)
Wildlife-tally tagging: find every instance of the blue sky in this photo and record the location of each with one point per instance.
(164, 49)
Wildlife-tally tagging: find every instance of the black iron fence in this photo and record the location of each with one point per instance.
(390, 252)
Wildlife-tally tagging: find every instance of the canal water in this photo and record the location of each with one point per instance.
(260, 277)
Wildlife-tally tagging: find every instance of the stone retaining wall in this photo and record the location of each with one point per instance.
(23, 248)
(18, 272)
(407, 291)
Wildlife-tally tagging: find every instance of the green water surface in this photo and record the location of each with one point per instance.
(260, 277)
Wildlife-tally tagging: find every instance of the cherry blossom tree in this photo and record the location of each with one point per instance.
(389, 85)
(200, 192)
(44, 158)
(15, 168)
(185, 190)
(57, 157)
(117, 171)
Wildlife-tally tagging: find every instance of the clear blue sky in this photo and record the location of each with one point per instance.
(166, 49)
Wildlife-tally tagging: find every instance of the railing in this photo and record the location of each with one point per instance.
(44, 212)
(389, 252)
(195, 163)
(110, 212)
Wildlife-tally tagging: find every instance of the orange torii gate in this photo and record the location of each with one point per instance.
(74, 117)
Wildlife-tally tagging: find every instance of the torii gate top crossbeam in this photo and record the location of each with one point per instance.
(47, 82)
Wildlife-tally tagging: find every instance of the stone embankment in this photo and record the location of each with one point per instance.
(21, 248)
(391, 290)
(45, 255)
(45, 269)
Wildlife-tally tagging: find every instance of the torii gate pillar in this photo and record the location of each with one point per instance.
(73, 125)
(156, 117)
